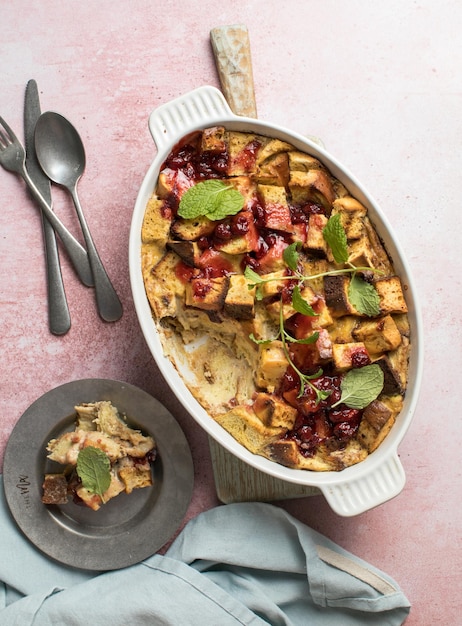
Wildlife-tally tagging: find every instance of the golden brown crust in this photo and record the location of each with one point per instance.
(210, 320)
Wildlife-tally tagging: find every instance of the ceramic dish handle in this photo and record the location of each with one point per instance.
(355, 496)
(171, 121)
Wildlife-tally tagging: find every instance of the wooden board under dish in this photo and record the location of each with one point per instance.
(236, 481)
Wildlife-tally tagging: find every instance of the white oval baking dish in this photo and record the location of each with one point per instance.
(355, 489)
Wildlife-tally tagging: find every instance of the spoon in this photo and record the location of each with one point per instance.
(61, 155)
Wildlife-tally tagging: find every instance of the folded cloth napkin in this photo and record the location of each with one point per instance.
(249, 563)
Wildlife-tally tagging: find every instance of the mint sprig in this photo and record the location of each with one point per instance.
(361, 386)
(286, 338)
(210, 198)
(93, 468)
(357, 388)
(362, 295)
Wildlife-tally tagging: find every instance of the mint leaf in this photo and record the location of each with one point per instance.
(361, 386)
(210, 198)
(255, 280)
(363, 296)
(336, 238)
(93, 468)
(290, 255)
(252, 276)
(301, 305)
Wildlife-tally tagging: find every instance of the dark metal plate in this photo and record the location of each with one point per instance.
(128, 528)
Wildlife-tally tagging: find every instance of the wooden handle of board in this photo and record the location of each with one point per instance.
(231, 48)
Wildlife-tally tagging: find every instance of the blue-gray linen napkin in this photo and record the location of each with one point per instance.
(248, 563)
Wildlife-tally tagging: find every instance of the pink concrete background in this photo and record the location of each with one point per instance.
(381, 84)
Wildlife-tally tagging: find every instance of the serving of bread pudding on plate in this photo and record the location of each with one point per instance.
(275, 299)
(101, 458)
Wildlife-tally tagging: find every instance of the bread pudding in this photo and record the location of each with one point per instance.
(102, 457)
(275, 299)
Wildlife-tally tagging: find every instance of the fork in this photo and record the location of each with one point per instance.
(13, 159)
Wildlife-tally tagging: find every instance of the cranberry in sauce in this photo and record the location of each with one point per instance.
(360, 358)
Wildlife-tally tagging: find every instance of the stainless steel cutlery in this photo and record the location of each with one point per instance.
(30, 167)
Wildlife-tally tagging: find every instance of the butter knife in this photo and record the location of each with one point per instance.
(58, 310)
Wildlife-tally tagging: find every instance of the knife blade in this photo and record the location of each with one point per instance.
(58, 310)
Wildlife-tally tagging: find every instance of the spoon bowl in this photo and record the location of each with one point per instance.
(61, 155)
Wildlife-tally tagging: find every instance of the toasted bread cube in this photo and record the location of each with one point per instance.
(151, 254)
(242, 423)
(312, 186)
(286, 452)
(246, 242)
(207, 294)
(323, 318)
(274, 308)
(352, 214)
(274, 412)
(54, 489)
(272, 260)
(262, 326)
(392, 384)
(240, 300)
(163, 286)
(399, 359)
(156, 222)
(192, 229)
(402, 322)
(89, 498)
(377, 414)
(246, 186)
(315, 267)
(274, 283)
(237, 245)
(242, 150)
(378, 419)
(213, 139)
(188, 251)
(369, 438)
(343, 329)
(315, 239)
(274, 170)
(379, 335)
(361, 253)
(272, 364)
(302, 162)
(272, 195)
(343, 354)
(336, 294)
(135, 476)
(382, 261)
(172, 183)
(277, 213)
(271, 148)
(391, 295)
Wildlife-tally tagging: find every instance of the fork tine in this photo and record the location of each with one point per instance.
(9, 135)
